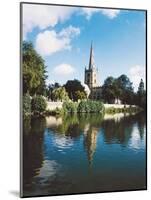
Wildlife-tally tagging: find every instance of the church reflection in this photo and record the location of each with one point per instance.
(73, 126)
(114, 129)
(51, 143)
(90, 141)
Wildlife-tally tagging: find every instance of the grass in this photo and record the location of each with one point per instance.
(129, 109)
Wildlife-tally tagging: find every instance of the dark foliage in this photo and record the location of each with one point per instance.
(38, 104)
(72, 87)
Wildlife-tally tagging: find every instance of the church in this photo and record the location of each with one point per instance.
(92, 78)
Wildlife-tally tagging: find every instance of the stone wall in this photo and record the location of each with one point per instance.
(53, 105)
(118, 106)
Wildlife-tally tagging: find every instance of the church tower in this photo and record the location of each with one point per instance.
(91, 74)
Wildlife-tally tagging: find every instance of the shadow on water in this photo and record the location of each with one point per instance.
(49, 145)
(32, 148)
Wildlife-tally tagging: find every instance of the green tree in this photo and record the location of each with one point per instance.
(108, 90)
(26, 105)
(34, 71)
(126, 89)
(50, 88)
(119, 88)
(60, 94)
(141, 90)
(80, 95)
(141, 95)
(38, 104)
(72, 86)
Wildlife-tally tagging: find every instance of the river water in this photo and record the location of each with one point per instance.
(84, 153)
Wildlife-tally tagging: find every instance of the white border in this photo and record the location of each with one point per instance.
(9, 97)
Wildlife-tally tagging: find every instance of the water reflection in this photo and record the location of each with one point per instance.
(63, 142)
(90, 140)
(32, 149)
(121, 131)
(58, 153)
(47, 171)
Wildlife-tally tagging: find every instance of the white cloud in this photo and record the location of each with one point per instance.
(49, 42)
(110, 13)
(49, 82)
(43, 16)
(88, 12)
(70, 31)
(136, 73)
(64, 70)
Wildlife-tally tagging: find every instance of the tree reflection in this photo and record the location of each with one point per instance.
(32, 149)
(141, 124)
(121, 131)
(114, 131)
(75, 125)
(67, 133)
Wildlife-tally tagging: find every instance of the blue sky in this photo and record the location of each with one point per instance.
(63, 35)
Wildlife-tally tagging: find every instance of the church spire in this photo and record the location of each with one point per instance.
(91, 61)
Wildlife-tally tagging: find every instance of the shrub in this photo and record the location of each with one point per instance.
(83, 107)
(70, 106)
(90, 107)
(38, 104)
(60, 94)
(125, 109)
(58, 111)
(26, 105)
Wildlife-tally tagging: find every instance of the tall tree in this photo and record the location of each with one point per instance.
(141, 95)
(141, 87)
(108, 91)
(34, 71)
(126, 88)
(118, 88)
(72, 86)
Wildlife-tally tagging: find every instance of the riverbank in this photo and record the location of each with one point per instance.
(41, 107)
(114, 108)
(54, 108)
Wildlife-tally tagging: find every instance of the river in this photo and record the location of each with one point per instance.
(84, 153)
